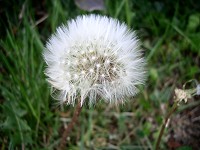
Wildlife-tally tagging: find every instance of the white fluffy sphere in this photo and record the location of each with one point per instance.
(94, 57)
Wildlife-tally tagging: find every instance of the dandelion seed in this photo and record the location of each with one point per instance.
(103, 59)
(114, 69)
(93, 57)
(107, 61)
(103, 75)
(83, 72)
(98, 65)
(68, 62)
(75, 76)
(91, 50)
(84, 60)
(91, 70)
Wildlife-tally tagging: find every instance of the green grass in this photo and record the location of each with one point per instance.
(170, 35)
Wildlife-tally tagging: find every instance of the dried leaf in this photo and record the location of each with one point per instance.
(90, 5)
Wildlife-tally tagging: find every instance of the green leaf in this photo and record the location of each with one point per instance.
(193, 22)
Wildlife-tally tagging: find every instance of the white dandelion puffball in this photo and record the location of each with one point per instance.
(94, 57)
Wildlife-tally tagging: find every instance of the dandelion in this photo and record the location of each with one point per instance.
(96, 57)
(180, 95)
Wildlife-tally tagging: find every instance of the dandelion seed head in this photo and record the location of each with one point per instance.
(94, 56)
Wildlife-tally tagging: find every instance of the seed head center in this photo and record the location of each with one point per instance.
(88, 64)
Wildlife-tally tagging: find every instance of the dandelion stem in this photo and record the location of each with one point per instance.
(172, 110)
(70, 127)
